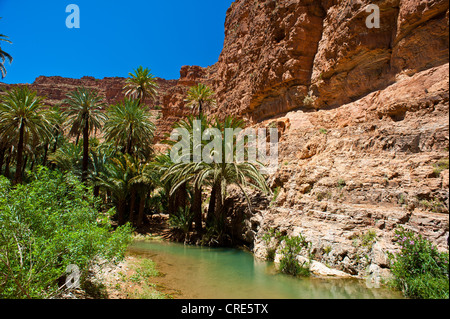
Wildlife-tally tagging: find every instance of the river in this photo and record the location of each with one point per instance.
(223, 273)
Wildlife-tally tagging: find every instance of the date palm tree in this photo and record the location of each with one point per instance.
(84, 114)
(144, 182)
(199, 97)
(23, 121)
(4, 56)
(3, 150)
(141, 85)
(116, 179)
(67, 158)
(186, 174)
(129, 126)
(177, 199)
(217, 176)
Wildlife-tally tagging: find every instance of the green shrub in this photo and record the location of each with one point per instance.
(440, 166)
(323, 131)
(292, 248)
(419, 270)
(47, 225)
(276, 192)
(182, 220)
(271, 246)
(341, 183)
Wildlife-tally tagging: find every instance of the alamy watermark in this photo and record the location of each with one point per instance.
(73, 19)
(73, 277)
(372, 21)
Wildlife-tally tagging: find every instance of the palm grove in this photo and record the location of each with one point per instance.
(110, 149)
(70, 170)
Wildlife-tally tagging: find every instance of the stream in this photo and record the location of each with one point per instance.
(225, 273)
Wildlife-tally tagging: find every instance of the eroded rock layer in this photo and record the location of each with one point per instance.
(363, 119)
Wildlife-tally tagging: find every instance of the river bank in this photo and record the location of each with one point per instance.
(158, 269)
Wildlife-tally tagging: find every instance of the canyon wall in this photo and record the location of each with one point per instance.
(303, 54)
(169, 101)
(363, 119)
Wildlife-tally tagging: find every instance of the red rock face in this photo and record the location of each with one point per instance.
(56, 88)
(266, 65)
(171, 93)
(353, 61)
(295, 54)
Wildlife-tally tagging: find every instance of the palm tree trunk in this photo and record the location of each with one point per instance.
(181, 196)
(2, 158)
(85, 151)
(32, 163)
(19, 162)
(200, 108)
(121, 211)
(212, 205)
(25, 162)
(171, 205)
(44, 161)
(132, 205)
(219, 203)
(141, 210)
(8, 162)
(129, 143)
(142, 100)
(55, 146)
(197, 209)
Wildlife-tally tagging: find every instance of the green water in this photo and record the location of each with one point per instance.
(220, 273)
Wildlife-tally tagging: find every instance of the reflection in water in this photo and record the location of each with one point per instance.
(221, 273)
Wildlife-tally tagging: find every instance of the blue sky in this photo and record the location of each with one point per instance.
(114, 37)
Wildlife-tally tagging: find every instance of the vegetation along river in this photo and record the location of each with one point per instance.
(223, 273)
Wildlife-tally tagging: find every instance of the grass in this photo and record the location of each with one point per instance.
(324, 195)
(402, 199)
(368, 239)
(147, 292)
(146, 268)
(276, 192)
(136, 283)
(435, 205)
(341, 183)
(271, 249)
(440, 166)
(308, 100)
(365, 240)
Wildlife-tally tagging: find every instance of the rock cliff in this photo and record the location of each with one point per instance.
(170, 98)
(362, 114)
(284, 55)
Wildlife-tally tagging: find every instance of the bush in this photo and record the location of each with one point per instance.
(289, 263)
(47, 225)
(182, 220)
(271, 239)
(419, 270)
